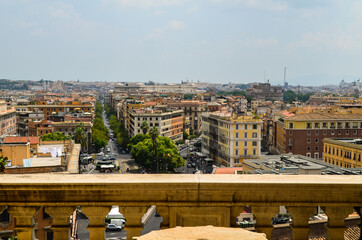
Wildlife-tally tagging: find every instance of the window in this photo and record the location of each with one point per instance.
(237, 126)
(309, 125)
(236, 152)
(309, 133)
(290, 125)
(324, 132)
(246, 126)
(316, 132)
(236, 160)
(354, 132)
(237, 144)
(245, 152)
(254, 151)
(246, 135)
(255, 126)
(245, 144)
(308, 140)
(317, 148)
(339, 132)
(290, 132)
(332, 132)
(324, 125)
(317, 140)
(255, 135)
(308, 154)
(308, 149)
(255, 144)
(236, 135)
(316, 125)
(316, 155)
(347, 132)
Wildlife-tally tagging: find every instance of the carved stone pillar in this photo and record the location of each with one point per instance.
(96, 217)
(264, 215)
(61, 225)
(134, 216)
(24, 221)
(301, 216)
(336, 216)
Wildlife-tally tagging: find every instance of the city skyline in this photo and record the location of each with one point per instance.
(214, 41)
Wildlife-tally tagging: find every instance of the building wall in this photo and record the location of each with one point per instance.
(7, 120)
(231, 140)
(15, 152)
(342, 154)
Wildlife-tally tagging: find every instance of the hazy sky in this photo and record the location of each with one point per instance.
(218, 41)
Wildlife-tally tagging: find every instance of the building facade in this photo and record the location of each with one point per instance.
(169, 122)
(229, 139)
(304, 133)
(265, 91)
(7, 120)
(343, 152)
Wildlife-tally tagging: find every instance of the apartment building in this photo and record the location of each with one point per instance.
(58, 108)
(7, 119)
(229, 139)
(168, 121)
(304, 133)
(265, 91)
(192, 112)
(345, 153)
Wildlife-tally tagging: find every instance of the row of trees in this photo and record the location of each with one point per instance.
(153, 152)
(290, 96)
(57, 136)
(121, 135)
(100, 134)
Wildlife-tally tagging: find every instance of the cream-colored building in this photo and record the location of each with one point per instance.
(228, 138)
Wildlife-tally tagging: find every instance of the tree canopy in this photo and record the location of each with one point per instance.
(57, 136)
(290, 96)
(142, 150)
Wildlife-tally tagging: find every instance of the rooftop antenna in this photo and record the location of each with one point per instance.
(285, 75)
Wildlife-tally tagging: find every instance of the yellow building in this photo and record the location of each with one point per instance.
(343, 152)
(15, 152)
(228, 139)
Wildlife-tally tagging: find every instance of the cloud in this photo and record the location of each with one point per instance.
(159, 12)
(63, 11)
(193, 9)
(172, 25)
(175, 25)
(266, 4)
(144, 3)
(38, 33)
(260, 43)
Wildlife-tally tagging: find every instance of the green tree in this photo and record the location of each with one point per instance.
(154, 132)
(144, 127)
(99, 139)
(185, 135)
(57, 136)
(80, 135)
(3, 163)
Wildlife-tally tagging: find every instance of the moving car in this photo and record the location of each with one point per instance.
(113, 228)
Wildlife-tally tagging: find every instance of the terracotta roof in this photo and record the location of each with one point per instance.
(228, 170)
(32, 140)
(325, 116)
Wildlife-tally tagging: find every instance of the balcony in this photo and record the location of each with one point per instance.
(182, 200)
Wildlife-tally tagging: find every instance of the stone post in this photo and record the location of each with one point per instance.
(134, 216)
(61, 224)
(336, 216)
(300, 217)
(96, 217)
(264, 215)
(24, 221)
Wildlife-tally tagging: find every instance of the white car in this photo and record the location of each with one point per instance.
(100, 154)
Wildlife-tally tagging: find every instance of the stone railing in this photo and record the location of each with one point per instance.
(182, 200)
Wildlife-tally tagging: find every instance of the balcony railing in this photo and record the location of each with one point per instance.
(182, 200)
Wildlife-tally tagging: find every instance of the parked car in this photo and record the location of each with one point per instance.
(189, 165)
(108, 150)
(100, 154)
(113, 228)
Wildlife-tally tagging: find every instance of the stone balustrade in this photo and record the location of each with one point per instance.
(182, 200)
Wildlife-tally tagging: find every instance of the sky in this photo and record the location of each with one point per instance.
(216, 41)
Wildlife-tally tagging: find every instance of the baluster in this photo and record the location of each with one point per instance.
(264, 215)
(24, 221)
(134, 216)
(96, 217)
(61, 225)
(300, 216)
(336, 216)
